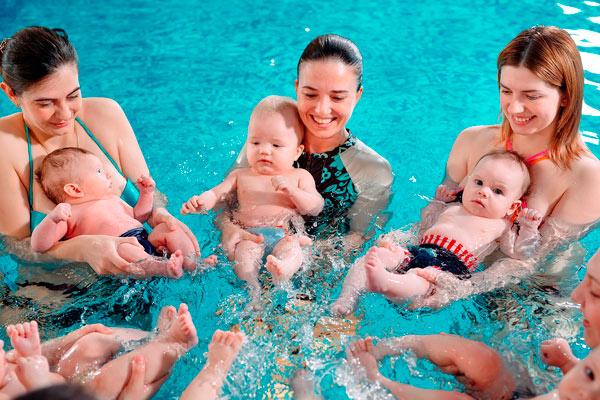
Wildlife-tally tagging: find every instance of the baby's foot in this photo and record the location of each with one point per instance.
(275, 266)
(303, 386)
(211, 260)
(33, 372)
(190, 262)
(25, 338)
(344, 305)
(377, 275)
(304, 240)
(182, 331)
(222, 350)
(165, 318)
(174, 265)
(361, 353)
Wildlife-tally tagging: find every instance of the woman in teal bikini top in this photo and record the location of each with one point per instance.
(129, 195)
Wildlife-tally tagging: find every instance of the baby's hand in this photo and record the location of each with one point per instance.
(146, 184)
(556, 352)
(281, 184)
(62, 212)
(446, 194)
(199, 204)
(530, 217)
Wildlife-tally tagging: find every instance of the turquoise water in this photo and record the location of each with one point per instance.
(188, 74)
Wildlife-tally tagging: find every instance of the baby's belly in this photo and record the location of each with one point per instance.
(264, 216)
(469, 240)
(101, 225)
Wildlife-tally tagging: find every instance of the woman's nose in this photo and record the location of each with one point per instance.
(323, 106)
(516, 106)
(63, 111)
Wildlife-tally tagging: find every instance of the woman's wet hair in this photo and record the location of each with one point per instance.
(551, 54)
(32, 54)
(335, 47)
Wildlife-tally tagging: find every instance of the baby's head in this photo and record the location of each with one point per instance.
(72, 173)
(496, 184)
(583, 380)
(275, 135)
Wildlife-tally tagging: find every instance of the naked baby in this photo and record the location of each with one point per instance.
(270, 192)
(453, 235)
(77, 182)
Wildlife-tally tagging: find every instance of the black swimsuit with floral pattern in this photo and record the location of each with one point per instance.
(335, 185)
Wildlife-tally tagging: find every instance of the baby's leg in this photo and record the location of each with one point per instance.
(169, 235)
(355, 282)
(95, 349)
(160, 355)
(285, 260)
(222, 351)
(248, 256)
(396, 287)
(303, 386)
(152, 266)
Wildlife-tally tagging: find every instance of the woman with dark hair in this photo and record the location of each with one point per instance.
(353, 179)
(540, 77)
(40, 76)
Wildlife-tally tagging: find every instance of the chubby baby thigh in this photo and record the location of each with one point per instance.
(172, 237)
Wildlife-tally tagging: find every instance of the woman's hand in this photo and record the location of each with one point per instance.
(161, 215)
(100, 252)
(446, 287)
(135, 388)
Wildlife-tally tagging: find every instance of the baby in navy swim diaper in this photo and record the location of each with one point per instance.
(453, 236)
(270, 192)
(77, 182)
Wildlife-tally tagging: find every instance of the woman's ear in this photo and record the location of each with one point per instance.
(73, 190)
(10, 94)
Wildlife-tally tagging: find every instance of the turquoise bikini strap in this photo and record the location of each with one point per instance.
(91, 135)
(31, 170)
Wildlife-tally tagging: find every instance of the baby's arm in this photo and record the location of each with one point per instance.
(145, 203)
(304, 196)
(51, 229)
(208, 199)
(521, 243)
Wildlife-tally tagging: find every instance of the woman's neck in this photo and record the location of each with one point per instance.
(527, 145)
(315, 144)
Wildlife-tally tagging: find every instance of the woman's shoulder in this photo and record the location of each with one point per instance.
(100, 107)
(587, 169)
(12, 130)
(363, 160)
(479, 134)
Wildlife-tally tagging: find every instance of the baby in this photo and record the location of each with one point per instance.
(458, 236)
(270, 192)
(76, 181)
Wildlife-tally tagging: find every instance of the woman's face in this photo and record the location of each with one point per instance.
(587, 295)
(51, 105)
(529, 104)
(327, 95)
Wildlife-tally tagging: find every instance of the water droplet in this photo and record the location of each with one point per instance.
(272, 63)
(230, 123)
(412, 179)
(307, 29)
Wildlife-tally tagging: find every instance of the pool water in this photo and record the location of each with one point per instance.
(188, 74)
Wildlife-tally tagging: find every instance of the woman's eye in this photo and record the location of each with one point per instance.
(337, 98)
(533, 97)
(310, 95)
(504, 91)
(498, 191)
(44, 104)
(589, 373)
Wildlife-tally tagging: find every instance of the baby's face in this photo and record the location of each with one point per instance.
(272, 145)
(493, 188)
(583, 380)
(95, 181)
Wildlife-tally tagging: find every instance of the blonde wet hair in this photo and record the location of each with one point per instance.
(285, 106)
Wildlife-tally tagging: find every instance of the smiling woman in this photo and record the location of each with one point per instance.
(40, 76)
